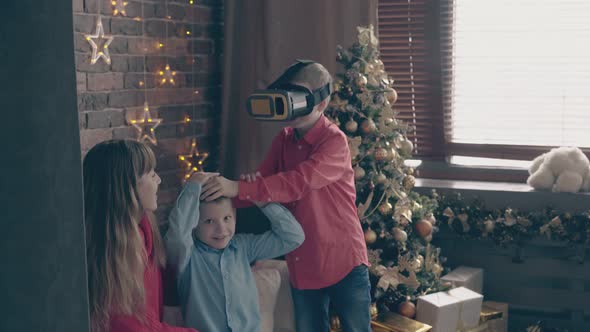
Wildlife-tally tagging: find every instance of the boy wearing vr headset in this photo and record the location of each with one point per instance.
(308, 169)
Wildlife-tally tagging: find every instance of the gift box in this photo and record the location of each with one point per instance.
(392, 322)
(459, 308)
(468, 277)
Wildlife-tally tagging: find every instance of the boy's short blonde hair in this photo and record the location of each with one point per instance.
(314, 76)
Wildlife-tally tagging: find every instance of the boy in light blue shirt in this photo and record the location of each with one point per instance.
(216, 287)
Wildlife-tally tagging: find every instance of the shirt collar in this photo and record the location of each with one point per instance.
(314, 134)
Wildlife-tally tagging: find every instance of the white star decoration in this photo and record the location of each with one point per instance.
(167, 75)
(119, 7)
(100, 43)
(146, 126)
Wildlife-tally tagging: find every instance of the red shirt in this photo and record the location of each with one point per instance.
(314, 179)
(152, 280)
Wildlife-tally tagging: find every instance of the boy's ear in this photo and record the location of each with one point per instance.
(322, 105)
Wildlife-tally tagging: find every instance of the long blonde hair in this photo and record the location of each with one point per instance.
(115, 251)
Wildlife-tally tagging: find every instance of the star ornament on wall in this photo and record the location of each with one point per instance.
(146, 126)
(119, 7)
(193, 161)
(167, 75)
(99, 43)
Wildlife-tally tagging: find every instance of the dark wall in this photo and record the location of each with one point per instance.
(42, 269)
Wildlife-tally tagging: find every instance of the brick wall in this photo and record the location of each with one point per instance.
(111, 95)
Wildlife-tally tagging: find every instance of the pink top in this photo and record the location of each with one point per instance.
(152, 279)
(314, 179)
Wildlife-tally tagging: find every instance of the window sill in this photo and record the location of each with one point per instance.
(498, 195)
(446, 171)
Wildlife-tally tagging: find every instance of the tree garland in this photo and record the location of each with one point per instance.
(507, 226)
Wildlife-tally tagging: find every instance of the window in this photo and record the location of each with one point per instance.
(501, 79)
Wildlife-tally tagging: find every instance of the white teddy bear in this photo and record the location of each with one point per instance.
(564, 169)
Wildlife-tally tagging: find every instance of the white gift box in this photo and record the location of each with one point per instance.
(448, 311)
(468, 277)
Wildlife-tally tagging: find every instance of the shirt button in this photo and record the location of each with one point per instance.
(269, 200)
(297, 259)
(248, 196)
(299, 147)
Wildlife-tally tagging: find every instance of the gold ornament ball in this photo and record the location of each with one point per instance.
(400, 235)
(373, 81)
(416, 264)
(409, 182)
(369, 68)
(361, 80)
(392, 154)
(385, 208)
(407, 309)
(380, 154)
(373, 310)
(381, 178)
(428, 238)
(388, 121)
(351, 126)
(370, 236)
(406, 146)
(368, 126)
(378, 64)
(337, 86)
(359, 173)
(437, 269)
(391, 96)
(423, 228)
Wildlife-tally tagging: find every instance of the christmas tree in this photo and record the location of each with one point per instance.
(397, 222)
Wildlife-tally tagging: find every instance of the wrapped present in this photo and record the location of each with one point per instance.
(463, 276)
(457, 309)
(392, 322)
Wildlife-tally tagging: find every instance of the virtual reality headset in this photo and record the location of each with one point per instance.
(284, 101)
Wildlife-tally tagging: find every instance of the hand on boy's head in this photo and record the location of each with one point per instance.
(250, 177)
(201, 177)
(217, 187)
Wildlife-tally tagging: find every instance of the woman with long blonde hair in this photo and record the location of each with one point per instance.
(123, 244)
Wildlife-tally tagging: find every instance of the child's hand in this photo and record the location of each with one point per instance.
(250, 177)
(217, 187)
(201, 177)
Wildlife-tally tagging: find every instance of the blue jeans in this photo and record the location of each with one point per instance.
(350, 298)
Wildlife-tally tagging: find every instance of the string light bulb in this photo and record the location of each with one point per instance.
(99, 43)
(146, 126)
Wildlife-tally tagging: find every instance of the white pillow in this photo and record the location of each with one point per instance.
(268, 282)
(284, 315)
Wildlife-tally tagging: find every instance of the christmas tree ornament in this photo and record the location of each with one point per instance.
(430, 218)
(351, 126)
(99, 43)
(353, 145)
(423, 228)
(403, 216)
(359, 173)
(391, 95)
(368, 126)
(361, 80)
(366, 36)
(392, 155)
(380, 154)
(373, 310)
(406, 147)
(337, 86)
(409, 182)
(410, 171)
(399, 235)
(146, 126)
(370, 236)
(381, 178)
(416, 264)
(372, 81)
(407, 309)
(385, 208)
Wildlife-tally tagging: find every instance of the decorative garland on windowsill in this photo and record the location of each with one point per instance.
(510, 227)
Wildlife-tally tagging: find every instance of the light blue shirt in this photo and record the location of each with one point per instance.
(216, 287)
